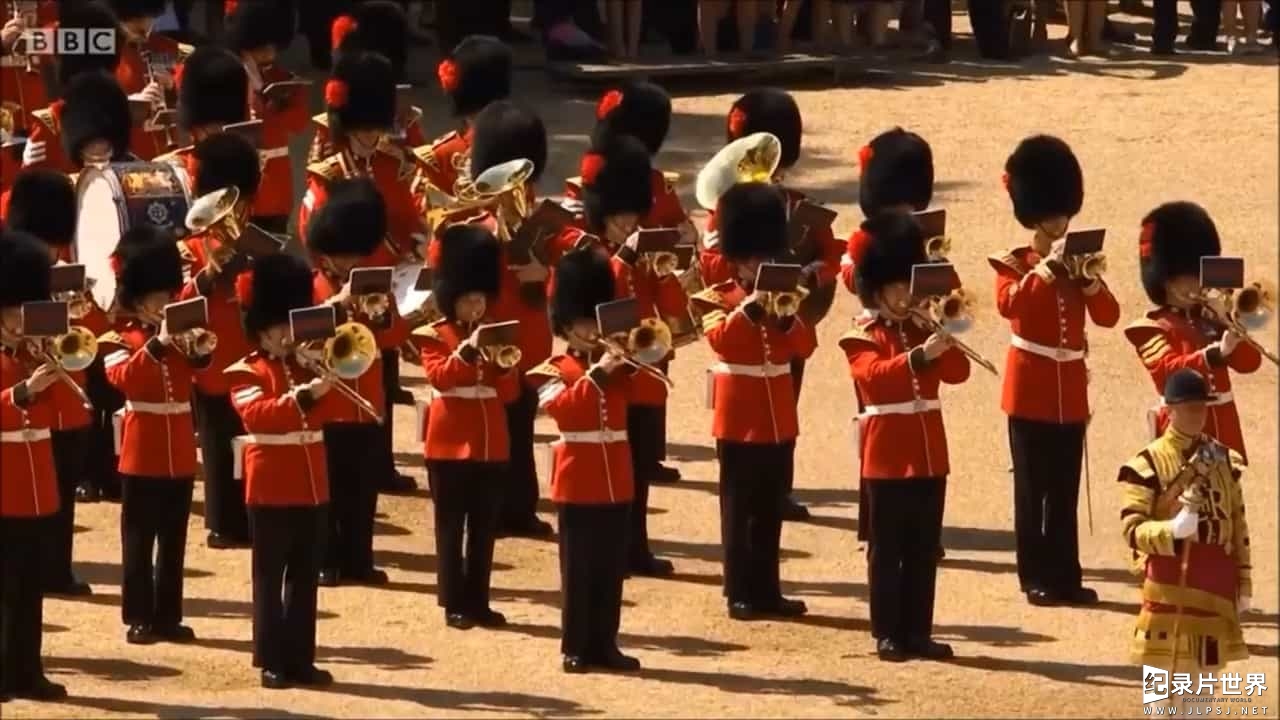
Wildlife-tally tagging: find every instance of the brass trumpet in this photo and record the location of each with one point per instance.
(783, 304)
(503, 356)
(346, 356)
(195, 343)
(1090, 266)
(70, 352)
(1242, 311)
(373, 305)
(953, 314)
(646, 344)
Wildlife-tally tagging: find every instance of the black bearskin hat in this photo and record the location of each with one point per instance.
(352, 222)
(147, 261)
(476, 73)
(768, 110)
(583, 279)
(616, 179)
(752, 221)
(95, 109)
(78, 15)
(224, 160)
(378, 26)
(639, 109)
(895, 243)
(24, 269)
(254, 24)
(43, 202)
(213, 88)
(132, 9)
(506, 131)
(897, 169)
(1174, 238)
(361, 94)
(277, 284)
(1044, 180)
(469, 261)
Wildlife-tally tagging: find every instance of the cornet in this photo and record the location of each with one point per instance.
(71, 352)
(937, 248)
(953, 313)
(1243, 311)
(78, 302)
(1090, 266)
(503, 356)
(143, 52)
(196, 342)
(663, 263)
(785, 303)
(346, 356)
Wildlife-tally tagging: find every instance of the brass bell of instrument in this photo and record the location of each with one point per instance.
(504, 356)
(196, 342)
(217, 214)
(955, 312)
(664, 263)
(78, 303)
(784, 304)
(753, 158)
(650, 342)
(1089, 267)
(351, 351)
(1253, 306)
(937, 248)
(74, 350)
(373, 305)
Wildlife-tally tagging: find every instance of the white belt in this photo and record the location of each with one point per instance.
(469, 392)
(911, 407)
(273, 153)
(767, 370)
(300, 437)
(597, 436)
(25, 436)
(1057, 354)
(151, 408)
(13, 60)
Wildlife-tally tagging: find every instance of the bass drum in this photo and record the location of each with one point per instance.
(116, 197)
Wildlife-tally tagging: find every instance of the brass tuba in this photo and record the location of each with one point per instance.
(753, 158)
(217, 214)
(346, 356)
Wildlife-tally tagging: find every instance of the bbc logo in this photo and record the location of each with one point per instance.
(70, 41)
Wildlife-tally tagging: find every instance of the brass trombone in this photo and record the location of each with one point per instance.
(70, 352)
(641, 346)
(953, 313)
(1243, 311)
(346, 356)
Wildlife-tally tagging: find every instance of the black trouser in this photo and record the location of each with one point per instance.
(69, 461)
(1046, 489)
(466, 496)
(286, 567)
(937, 13)
(218, 422)
(593, 551)
(518, 505)
(100, 469)
(386, 444)
(989, 28)
(353, 496)
(644, 432)
(1205, 21)
(1165, 23)
(22, 540)
(276, 224)
(153, 520)
(753, 482)
(902, 556)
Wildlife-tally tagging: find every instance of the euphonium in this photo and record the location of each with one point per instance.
(753, 158)
(216, 214)
(484, 192)
(504, 356)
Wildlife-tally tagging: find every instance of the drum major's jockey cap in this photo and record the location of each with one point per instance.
(1186, 386)
(361, 93)
(583, 279)
(85, 15)
(752, 221)
(256, 24)
(616, 179)
(896, 243)
(636, 108)
(351, 223)
(505, 131)
(768, 110)
(95, 108)
(476, 73)
(896, 169)
(43, 202)
(213, 89)
(1174, 237)
(1044, 180)
(24, 268)
(147, 260)
(133, 9)
(378, 26)
(226, 160)
(470, 260)
(277, 284)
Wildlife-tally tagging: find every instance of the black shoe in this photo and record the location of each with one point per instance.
(1041, 598)
(1078, 596)
(942, 553)
(793, 511)
(312, 676)
(574, 665)
(664, 475)
(87, 494)
(788, 608)
(742, 611)
(328, 578)
(372, 576)
(1113, 32)
(175, 633)
(402, 396)
(928, 649)
(1206, 44)
(42, 689)
(489, 618)
(273, 680)
(71, 587)
(534, 527)
(1163, 50)
(458, 621)
(614, 660)
(397, 484)
(652, 567)
(139, 635)
(890, 651)
(219, 541)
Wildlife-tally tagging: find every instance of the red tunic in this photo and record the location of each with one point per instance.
(322, 144)
(438, 166)
(46, 127)
(392, 170)
(275, 192)
(1045, 376)
(157, 437)
(754, 397)
(133, 76)
(592, 459)
(28, 482)
(900, 419)
(716, 268)
(1168, 339)
(283, 446)
(467, 419)
(658, 297)
(224, 321)
(368, 385)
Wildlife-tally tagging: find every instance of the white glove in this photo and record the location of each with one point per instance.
(1243, 604)
(152, 93)
(1184, 524)
(34, 151)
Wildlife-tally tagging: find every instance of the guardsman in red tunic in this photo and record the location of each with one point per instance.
(92, 108)
(157, 441)
(212, 91)
(283, 408)
(1179, 332)
(28, 482)
(753, 398)
(22, 81)
(1046, 382)
(476, 73)
(344, 235)
(256, 30)
(213, 265)
(586, 391)
(43, 204)
(147, 64)
(466, 445)
(897, 365)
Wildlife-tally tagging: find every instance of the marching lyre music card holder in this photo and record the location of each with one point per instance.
(256, 242)
(187, 315)
(277, 92)
(684, 256)
(66, 278)
(933, 280)
(807, 219)
(45, 318)
(1084, 242)
(319, 322)
(654, 240)
(933, 222)
(250, 130)
(424, 282)
(774, 277)
(547, 220)
(1221, 273)
(503, 333)
(617, 316)
(139, 111)
(368, 281)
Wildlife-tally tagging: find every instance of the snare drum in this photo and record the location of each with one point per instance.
(123, 195)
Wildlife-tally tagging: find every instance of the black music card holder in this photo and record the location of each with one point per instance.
(45, 318)
(775, 277)
(685, 255)
(656, 240)
(503, 333)
(933, 280)
(319, 322)
(404, 105)
(1221, 273)
(425, 280)
(1084, 242)
(369, 281)
(277, 93)
(187, 315)
(66, 278)
(546, 221)
(806, 220)
(139, 111)
(932, 222)
(256, 242)
(250, 130)
(617, 317)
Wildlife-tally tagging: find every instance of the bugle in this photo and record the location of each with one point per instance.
(953, 314)
(1242, 311)
(346, 356)
(640, 347)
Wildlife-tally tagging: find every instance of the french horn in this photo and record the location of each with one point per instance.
(753, 158)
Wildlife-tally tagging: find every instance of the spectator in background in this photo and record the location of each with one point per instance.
(1086, 19)
(1251, 13)
(570, 29)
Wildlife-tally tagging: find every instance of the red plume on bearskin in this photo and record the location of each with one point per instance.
(447, 73)
(608, 102)
(342, 26)
(335, 93)
(178, 72)
(230, 6)
(1004, 180)
(244, 289)
(858, 245)
(737, 122)
(865, 153)
(116, 265)
(1145, 246)
(592, 164)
